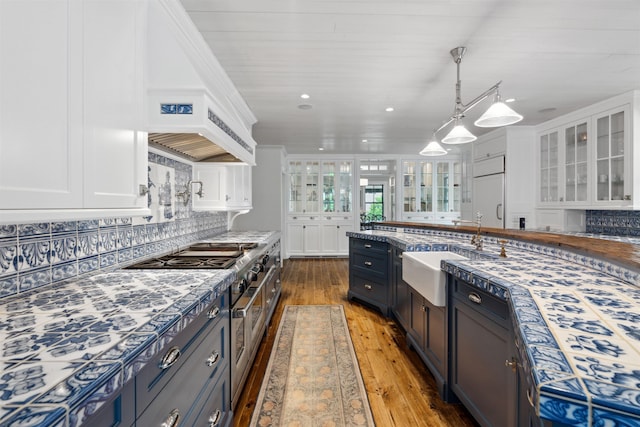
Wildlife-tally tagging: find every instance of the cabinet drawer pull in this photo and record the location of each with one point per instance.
(170, 358)
(366, 245)
(513, 364)
(473, 297)
(423, 308)
(368, 287)
(529, 398)
(172, 420)
(214, 418)
(213, 313)
(368, 263)
(211, 360)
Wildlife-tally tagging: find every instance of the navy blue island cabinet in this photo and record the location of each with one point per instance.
(485, 372)
(369, 273)
(187, 383)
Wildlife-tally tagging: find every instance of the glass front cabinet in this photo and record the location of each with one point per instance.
(431, 190)
(319, 207)
(587, 163)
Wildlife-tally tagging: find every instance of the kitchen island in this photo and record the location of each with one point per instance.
(573, 307)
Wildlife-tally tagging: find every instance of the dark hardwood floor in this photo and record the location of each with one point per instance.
(401, 390)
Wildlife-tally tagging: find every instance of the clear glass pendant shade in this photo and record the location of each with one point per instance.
(499, 114)
(433, 149)
(459, 135)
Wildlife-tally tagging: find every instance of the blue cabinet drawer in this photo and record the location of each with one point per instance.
(483, 302)
(208, 362)
(369, 290)
(214, 407)
(372, 264)
(154, 377)
(368, 246)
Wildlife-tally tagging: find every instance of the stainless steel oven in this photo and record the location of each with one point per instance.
(249, 319)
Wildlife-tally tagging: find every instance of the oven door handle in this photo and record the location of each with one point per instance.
(242, 312)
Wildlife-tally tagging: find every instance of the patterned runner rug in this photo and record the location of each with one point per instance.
(313, 377)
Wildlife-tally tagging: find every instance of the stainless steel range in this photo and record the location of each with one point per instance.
(253, 295)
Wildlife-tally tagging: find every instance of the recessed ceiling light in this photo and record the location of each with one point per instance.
(388, 109)
(509, 100)
(305, 106)
(321, 149)
(305, 96)
(364, 140)
(547, 110)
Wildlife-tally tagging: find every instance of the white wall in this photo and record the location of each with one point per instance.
(268, 197)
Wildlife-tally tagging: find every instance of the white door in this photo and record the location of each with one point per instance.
(488, 199)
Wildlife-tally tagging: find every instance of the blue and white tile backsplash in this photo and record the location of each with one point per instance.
(615, 223)
(35, 255)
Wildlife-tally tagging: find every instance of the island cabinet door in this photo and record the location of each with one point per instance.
(482, 368)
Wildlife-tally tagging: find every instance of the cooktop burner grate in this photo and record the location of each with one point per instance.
(185, 263)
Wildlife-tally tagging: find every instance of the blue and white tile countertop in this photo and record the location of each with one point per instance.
(577, 321)
(68, 347)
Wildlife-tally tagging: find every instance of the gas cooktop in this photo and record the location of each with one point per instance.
(208, 255)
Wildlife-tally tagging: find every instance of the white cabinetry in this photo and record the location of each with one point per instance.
(320, 206)
(225, 186)
(71, 96)
(587, 159)
(431, 190)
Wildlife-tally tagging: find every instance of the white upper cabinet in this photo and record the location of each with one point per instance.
(225, 186)
(431, 190)
(40, 106)
(587, 159)
(115, 145)
(320, 186)
(72, 107)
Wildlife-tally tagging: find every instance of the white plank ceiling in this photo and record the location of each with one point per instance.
(357, 57)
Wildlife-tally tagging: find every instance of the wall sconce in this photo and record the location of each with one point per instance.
(498, 114)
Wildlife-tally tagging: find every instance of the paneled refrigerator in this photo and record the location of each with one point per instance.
(489, 191)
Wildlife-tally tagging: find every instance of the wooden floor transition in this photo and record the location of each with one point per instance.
(401, 390)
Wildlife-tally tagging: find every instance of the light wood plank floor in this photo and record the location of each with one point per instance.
(401, 390)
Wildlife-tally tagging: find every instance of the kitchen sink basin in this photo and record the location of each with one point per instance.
(422, 271)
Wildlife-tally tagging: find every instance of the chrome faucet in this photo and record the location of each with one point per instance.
(476, 239)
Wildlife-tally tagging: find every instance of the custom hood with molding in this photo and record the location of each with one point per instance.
(193, 109)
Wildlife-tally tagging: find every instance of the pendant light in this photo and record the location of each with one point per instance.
(498, 114)
(433, 148)
(459, 135)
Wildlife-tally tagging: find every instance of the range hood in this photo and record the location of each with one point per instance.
(191, 146)
(189, 124)
(193, 109)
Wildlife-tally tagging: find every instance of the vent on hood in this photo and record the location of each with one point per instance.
(191, 146)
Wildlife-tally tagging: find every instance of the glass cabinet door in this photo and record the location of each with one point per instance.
(426, 186)
(345, 187)
(312, 175)
(296, 187)
(443, 187)
(549, 167)
(576, 141)
(328, 187)
(610, 157)
(409, 187)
